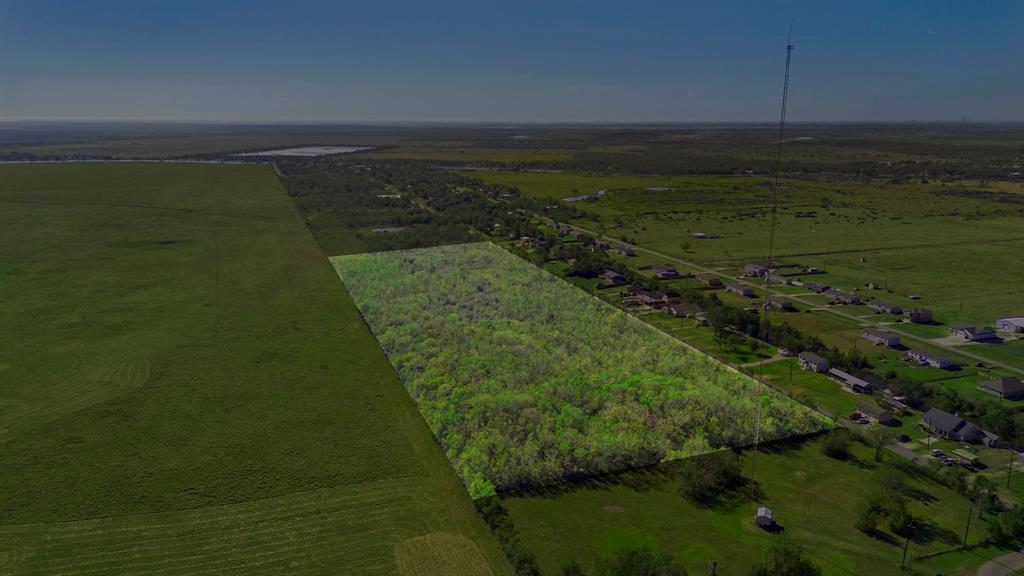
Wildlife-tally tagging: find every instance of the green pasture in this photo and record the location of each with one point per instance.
(813, 497)
(187, 388)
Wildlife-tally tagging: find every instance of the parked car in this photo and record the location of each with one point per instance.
(947, 461)
(936, 452)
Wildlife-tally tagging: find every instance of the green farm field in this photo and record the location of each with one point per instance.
(527, 380)
(958, 252)
(187, 388)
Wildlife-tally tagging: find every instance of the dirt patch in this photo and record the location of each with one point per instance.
(612, 508)
(440, 553)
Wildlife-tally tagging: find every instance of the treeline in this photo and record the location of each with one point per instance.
(425, 205)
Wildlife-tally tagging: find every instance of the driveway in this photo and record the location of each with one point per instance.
(1005, 565)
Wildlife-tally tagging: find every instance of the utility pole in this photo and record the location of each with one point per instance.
(906, 546)
(970, 512)
(1009, 469)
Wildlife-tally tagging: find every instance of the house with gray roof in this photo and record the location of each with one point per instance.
(1012, 325)
(881, 337)
(972, 333)
(813, 362)
(953, 427)
(926, 358)
(1007, 387)
(741, 290)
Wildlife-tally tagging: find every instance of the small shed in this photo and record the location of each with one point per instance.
(764, 519)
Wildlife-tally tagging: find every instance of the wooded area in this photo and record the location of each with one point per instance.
(526, 380)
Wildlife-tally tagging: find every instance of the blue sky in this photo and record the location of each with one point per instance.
(510, 61)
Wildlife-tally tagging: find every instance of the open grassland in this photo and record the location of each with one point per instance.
(187, 389)
(814, 498)
(954, 244)
(527, 380)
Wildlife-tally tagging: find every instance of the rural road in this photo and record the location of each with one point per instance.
(1005, 565)
(831, 310)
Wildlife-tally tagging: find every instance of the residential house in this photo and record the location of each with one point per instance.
(881, 337)
(1012, 325)
(918, 315)
(928, 359)
(665, 271)
(972, 333)
(876, 413)
(709, 280)
(1008, 387)
(953, 427)
(816, 286)
(813, 362)
(885, 307)
(781, 303)
(741, 290)
(682, 309)
(612, 277)
(759, 269)
(842, 297)
(850, 382)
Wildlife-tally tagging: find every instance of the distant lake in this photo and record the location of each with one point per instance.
(308, 151)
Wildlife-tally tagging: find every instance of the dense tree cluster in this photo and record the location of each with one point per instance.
(706, 478)
(526, 380)
(427, 206)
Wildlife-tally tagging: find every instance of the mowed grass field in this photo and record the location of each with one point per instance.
(186, 388)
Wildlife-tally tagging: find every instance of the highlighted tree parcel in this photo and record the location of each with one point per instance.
(526, 380)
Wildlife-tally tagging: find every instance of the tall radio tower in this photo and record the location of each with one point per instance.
(771, 247)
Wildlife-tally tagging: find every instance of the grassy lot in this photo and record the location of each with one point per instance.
(816, 390)
(187, 388)
(814, 498)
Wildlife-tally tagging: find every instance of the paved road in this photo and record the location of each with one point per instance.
(1006, 565)
(831, 310)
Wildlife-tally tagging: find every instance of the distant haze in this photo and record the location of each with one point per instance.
(509, 61)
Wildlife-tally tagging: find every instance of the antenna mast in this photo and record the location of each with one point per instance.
(771, 245)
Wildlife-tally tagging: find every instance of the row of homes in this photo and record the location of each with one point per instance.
(666, 301)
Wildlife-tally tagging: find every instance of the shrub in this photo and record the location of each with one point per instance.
(705, 478)
(784, 557)
(837, 444)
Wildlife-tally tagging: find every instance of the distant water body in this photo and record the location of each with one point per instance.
(308, 151)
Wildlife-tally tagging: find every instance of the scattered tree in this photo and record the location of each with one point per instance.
(783, 557)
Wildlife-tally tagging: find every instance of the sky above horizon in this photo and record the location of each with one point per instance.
(526, 61)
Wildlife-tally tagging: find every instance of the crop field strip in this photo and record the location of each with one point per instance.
(350, 523)
(192, 391)
(505, 359)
